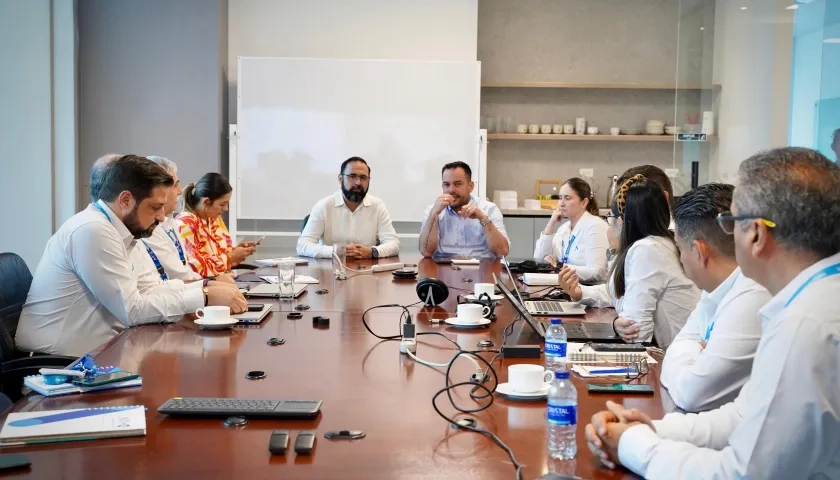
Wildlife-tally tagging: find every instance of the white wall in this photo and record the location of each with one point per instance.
(753, 66)
(390, 29)
(37, 145)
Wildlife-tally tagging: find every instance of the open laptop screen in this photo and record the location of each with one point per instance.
(517, 304)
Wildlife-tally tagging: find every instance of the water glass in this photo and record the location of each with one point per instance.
(340, 260)
(286, 279)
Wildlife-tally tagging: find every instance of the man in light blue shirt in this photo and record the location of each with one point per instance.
(460, 224)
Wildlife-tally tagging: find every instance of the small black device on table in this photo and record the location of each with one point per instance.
(225, 407)
(278, 442)
(305, 442)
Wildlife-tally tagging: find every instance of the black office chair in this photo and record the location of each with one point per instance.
(305, 221)
(15, 280)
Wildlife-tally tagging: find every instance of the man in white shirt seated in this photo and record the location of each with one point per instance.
(86, 289)
(785, 423)
(711, 358)
(461, 224)
(352, 217)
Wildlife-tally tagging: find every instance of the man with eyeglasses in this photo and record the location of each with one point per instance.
(352, 217)
(785, 422)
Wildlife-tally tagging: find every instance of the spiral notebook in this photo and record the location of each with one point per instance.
(25, 428)
(36, 383)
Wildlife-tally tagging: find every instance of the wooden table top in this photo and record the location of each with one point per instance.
(364, 383)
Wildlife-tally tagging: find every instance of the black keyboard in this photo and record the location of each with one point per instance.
(582, 332)
(225, 407)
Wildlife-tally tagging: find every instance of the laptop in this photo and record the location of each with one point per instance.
(253, 317)
(576, 331)
(272, 290)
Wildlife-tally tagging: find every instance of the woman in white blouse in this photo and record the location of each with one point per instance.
(582, 241)
(648, 288)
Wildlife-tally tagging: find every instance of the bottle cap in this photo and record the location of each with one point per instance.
(561, 375)
(556, 321)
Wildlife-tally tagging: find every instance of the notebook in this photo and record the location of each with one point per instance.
(36, 383)
(298, 279)
(50, 426)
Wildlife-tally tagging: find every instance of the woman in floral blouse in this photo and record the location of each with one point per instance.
(204, 234)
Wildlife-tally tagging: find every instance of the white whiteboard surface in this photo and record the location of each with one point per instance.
(299, 118)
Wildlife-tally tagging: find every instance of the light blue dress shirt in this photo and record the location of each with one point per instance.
(465, 237)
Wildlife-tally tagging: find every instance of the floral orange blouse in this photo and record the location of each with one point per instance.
(207, 245)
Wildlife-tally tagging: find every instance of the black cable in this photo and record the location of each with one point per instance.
(405, 314)
(448, 390)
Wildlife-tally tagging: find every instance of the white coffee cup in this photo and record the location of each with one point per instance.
(592, 130)
(522, 128)
(213, 314)
(557, 128)
(482, 288)
(527, 378)
(615, 131)
(568, 129)
(472, 312)
(545, 128)
(533, 128)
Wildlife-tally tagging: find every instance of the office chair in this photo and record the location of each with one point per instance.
(15, 280)
(305, 221)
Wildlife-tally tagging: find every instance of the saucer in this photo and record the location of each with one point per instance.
(504, 389)
(494, 297)
(461, 324)
(216, 325)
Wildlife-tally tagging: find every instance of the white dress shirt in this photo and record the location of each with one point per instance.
(658, 295)
(86, 289)
(705, 378)
(332, 222)
(587, 252)
(465, 237)
(785, 423)
(162, 242)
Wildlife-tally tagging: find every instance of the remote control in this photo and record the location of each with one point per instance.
(279, 442)
(305, 442)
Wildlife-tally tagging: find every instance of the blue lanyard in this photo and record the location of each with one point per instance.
(568, 249)
(825, 272)
(709, 332)
(171, 234)
(102, 210)
(158, 266)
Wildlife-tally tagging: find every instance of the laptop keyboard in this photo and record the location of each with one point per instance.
(543, 306)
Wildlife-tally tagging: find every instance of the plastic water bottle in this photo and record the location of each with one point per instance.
(562, 417)
(555, 346)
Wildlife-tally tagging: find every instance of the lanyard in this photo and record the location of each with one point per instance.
(568, 249)
(102, 210)
(825, 272)
(709, 332)
(172, 236)
(158, 266)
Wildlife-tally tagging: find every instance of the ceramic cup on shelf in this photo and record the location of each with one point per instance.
(568, 129)
(580, 126)
(592, 130)
(545, 128)
(615, 131)
(557, 128)
(533, 128)
(522, 128)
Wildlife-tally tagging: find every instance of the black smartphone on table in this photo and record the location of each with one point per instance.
(14, 462)
(255, 307)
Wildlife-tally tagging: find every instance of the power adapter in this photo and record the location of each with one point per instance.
(521, 351)
(408, 343)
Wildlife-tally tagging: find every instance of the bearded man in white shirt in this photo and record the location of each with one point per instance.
(785, 423)
(710, 359)
(352, 217)
(86, 289)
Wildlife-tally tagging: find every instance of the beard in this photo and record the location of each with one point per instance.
(133, 225)
(355, 194)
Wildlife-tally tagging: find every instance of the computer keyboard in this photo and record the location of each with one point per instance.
(547, 306)
(223, 407)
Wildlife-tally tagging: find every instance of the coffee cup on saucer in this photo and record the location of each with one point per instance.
(482, 288)
(527, 378)
(472, 313)
(213, 314)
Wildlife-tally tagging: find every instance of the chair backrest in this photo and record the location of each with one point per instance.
(15, 280)
(305, 221)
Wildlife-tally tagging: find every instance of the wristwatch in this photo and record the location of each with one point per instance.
(206, 298)
(374, 253)
(485, 222)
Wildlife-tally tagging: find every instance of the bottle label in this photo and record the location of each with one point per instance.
(555, 349)
(562, 414)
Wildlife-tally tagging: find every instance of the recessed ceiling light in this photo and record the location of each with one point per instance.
(831, 40)
(702, 28)
(743, 8)
(792, 7)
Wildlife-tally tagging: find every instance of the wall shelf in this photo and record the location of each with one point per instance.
(585, 138)
(614, 86)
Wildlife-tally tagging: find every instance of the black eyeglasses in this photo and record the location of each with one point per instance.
(727, 221)
(357, 178)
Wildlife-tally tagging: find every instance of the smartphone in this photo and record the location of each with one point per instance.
(105, 379)
(619, 388)
(255, 307)
(14, 462)
(259, 240)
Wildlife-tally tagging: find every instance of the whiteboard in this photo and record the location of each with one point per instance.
(299, 118)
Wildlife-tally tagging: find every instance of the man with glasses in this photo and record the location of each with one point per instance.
(710, 359)
(785, 422)
(352, 217)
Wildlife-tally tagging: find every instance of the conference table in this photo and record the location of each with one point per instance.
(365, 384)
